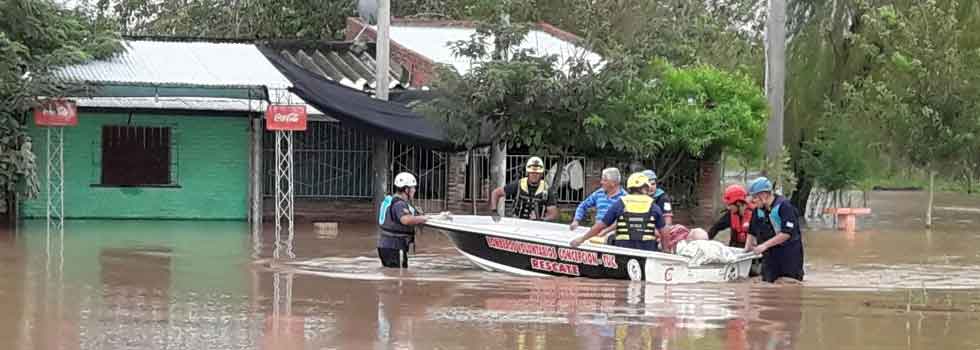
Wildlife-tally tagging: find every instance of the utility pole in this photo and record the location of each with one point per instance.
(775, 75)
(380, 152)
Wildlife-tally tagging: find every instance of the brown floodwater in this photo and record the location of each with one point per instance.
(212, 285)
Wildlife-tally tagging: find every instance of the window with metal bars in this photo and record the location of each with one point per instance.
(136, 156)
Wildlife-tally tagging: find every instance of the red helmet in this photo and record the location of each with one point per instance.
(735, 194)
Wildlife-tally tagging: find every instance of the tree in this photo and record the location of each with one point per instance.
(670, 113)
(513, 96)
(923, 87)
(36, 37)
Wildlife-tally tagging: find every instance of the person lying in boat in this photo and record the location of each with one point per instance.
(532, 199)
(397, 219)
(609, 192)
(676, 233)
(660, 197)
(638, 219)
(736, 219)
(776, 225)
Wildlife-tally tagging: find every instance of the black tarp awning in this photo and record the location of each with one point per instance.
(359, 110)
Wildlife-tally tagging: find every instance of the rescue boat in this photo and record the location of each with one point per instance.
(534, 248)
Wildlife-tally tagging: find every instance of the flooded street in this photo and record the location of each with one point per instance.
(212, 285)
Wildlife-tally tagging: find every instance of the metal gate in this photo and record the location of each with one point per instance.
(478, 176)
(430, 168)
(334, 162)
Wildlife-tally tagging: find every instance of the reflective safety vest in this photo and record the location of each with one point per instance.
(388, 225)
(739, 226)
(527, 204)
(636, 223)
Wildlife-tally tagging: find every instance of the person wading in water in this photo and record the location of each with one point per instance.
(397, 219)
(736, 219)
(776, 224)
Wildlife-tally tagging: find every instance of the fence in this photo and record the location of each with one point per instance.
(334, 162)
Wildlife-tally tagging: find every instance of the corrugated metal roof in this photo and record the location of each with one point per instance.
(179, 62)
(350, 64)
(200, 64)
(432, 42)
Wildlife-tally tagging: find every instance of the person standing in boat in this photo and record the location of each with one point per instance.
(736, 219)
(532, 199)
(660, 197)
(397, 219)
(776, 225)
(609, 192)
(638, 219)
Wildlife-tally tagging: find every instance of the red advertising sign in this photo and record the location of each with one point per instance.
(56, 113)
(286, 117)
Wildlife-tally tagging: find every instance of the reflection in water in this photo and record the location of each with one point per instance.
(204, 285)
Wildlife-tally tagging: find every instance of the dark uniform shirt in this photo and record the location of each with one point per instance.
(785, 259)
(663, 201)
(511, 191)
(397, 210)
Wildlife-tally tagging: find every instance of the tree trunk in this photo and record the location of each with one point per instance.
(498, 171)
(932, 195)
(802, 195)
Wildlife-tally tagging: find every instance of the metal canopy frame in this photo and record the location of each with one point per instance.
(54, 172)
(284, 184)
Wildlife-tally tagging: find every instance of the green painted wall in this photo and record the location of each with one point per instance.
(211, 170)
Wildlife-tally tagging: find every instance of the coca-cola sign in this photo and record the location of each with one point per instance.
(285, 117)
(56, 113)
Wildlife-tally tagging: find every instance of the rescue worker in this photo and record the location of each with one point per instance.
(638, 219)
(397, 219)
(776, 225)
(736, 219)
(609, 192)
(660, 197)
(532, 199)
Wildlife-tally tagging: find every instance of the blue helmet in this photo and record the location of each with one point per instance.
(652, 176)
(761, 184)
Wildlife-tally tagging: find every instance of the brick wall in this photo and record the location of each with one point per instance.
(421, 69)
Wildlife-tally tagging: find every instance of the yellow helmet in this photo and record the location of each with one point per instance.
(637, 180)
(534, 165)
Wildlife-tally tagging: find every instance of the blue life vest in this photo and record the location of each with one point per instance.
(387, 222)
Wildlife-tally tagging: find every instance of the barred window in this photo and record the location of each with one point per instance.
(136, 156)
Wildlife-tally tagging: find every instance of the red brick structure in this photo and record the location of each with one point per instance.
(421, 68)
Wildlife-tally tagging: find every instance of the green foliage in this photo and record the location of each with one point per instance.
(516, 96)
(780, 172)
(922, 89)
(834, 156)
(672, 113)
(37, 36)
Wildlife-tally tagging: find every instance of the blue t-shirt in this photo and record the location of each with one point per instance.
(617, 209)
(600, 200)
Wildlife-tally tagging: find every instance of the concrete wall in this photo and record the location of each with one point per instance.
(212, 170)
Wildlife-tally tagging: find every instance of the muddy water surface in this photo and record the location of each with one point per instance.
(212, 285)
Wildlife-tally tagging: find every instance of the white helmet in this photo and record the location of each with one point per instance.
(405, 180)
(534, 165)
